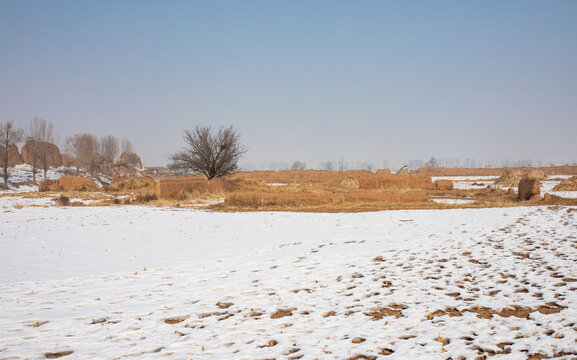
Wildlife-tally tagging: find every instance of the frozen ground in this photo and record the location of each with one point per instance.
(145, 282)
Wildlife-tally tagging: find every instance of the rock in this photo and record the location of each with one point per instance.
(129, 160)
(53, 156)
(14, 157)
(528, 188)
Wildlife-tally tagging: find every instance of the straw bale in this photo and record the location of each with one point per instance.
(49, 185)
(383, 173)
(528, 187)
(406, 182)
(68, 183)
(443, 185)
(403, 172)
(567, 185)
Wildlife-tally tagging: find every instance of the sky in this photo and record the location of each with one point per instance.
(372, 81)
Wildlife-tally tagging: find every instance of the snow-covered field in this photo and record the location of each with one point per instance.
(148, 282)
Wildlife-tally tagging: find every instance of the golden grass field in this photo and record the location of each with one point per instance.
(308, 191)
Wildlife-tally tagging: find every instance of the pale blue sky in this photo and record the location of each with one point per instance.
(302, 80)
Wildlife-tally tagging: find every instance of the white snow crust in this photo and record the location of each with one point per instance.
(102, 282)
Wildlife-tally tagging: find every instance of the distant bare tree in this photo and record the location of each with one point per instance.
(342, 165)
(109, 148)
(9, 135)
(42, 134)
(433, 162)
(328, 165)
(82, 147)
(214, 154)
(298, 165)
(126, 146)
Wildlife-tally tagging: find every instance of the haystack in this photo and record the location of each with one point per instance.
(350, 182)
(567, 185)
(537, 174)
(510, 177)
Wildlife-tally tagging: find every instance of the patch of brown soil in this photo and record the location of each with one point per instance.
(56, 355)
(175, 319)
(452, 312)
(281, 313)
(378, 314)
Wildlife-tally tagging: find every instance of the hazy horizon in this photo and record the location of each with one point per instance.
(368, 82)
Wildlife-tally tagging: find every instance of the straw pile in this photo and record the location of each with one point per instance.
(567, 185)
(510, 177)
(350, 182)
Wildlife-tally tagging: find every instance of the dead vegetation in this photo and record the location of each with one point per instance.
(295, 190)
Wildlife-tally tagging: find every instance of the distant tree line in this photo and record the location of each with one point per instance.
(81, 150)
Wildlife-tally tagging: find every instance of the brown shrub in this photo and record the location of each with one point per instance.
(63, 200)
(567, 185)
(528, 188)
(125, 183)
(443, 185)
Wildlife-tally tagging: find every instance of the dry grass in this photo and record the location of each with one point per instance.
(374, 192)
(125, 183)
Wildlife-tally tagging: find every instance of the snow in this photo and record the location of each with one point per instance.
(22, 173)
(452, 201)
(101, 281)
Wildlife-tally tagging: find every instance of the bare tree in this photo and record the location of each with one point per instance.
(8, 136)
(329, 165)
(82, 147)
(298, 165)
(342, 166)
(41, 135)
(109, 148)
(126, 146)
(214, 154)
